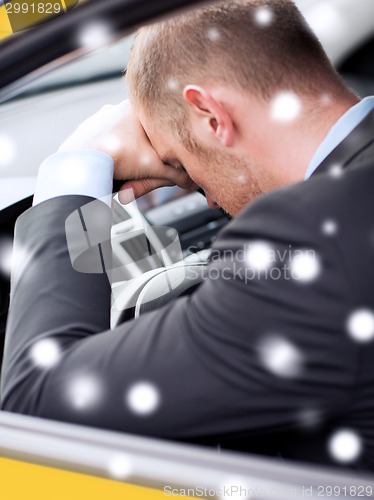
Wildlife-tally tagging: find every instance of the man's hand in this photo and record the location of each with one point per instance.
(116, 130)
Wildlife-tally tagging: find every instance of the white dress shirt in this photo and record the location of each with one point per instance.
(86, 172)
(340, 131)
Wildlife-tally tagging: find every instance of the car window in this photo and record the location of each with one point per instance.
(32, 126)
(70, 95)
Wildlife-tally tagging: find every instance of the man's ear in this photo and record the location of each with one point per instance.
(214, 114)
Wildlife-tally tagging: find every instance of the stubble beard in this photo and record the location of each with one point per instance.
(233, 182)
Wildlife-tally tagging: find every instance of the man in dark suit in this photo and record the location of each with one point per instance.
(273, 352)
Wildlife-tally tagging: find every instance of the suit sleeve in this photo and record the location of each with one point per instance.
(245, 354)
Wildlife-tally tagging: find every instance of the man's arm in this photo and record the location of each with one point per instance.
(205, 365)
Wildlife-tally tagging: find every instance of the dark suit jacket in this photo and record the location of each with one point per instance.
(212, 356)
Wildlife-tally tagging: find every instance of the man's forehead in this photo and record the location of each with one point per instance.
(161, 142)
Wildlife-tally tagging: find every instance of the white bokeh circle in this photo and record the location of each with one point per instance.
(143, 398)
(279, 356)
(330, 227)
(45, 354)
(345, 446)
(84, 392)
(94, 36)
(305, 266)
(264, 16)
(119, 467)
(213, 34)
(286, 107)
(360, 325)
(259, 256)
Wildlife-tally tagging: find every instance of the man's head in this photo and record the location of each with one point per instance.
(228, 92)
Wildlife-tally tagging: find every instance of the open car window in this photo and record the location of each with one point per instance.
(65, 94)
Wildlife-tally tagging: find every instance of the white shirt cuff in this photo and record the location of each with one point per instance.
(85, 173)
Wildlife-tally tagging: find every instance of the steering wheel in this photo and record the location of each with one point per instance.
(157, 288)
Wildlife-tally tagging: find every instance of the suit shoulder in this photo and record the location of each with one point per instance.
(307, 204)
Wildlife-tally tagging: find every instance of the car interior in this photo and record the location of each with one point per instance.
(44, 96)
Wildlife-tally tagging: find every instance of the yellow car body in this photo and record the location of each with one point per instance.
(5, 27)
(21, 480)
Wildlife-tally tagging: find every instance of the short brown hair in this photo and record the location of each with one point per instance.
(225, 42)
